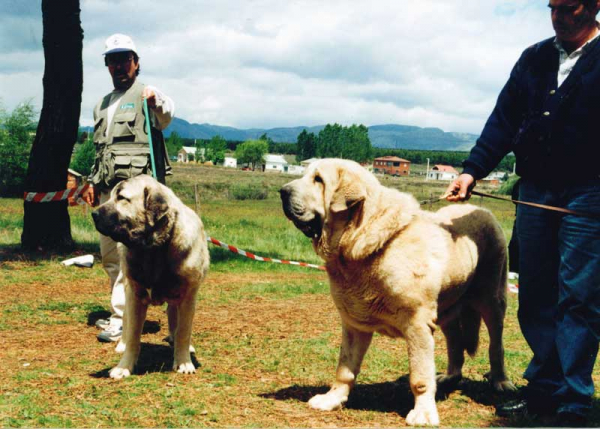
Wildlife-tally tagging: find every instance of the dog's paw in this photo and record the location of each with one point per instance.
(327, 402)
(504, 386)
(185, 368)
(120, 347)
(118, 373)
(423, 417)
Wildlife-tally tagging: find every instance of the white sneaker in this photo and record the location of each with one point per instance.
(111, 334)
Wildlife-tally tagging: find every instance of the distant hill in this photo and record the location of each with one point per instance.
(384, 136)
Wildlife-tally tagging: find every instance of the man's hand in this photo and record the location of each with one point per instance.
(150, 96)
(89, 196)
(460, 189)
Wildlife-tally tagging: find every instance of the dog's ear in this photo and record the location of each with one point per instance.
(156, 204)
(349, 192)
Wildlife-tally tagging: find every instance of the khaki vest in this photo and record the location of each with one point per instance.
(124, 151)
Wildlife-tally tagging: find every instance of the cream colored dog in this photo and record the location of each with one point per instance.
(400, 271)
(164, 259)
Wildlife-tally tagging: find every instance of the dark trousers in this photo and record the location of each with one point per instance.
(559, 291)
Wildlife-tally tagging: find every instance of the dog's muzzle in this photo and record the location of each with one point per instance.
(312, 227)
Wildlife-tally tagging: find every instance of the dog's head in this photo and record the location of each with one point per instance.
(345, 210)
(326, 198)
(137, 213)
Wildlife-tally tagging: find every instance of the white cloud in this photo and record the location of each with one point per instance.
(267, 63)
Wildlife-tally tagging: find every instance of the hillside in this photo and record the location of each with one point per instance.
(383, 136)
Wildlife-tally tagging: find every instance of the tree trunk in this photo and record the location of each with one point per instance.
(47, 225)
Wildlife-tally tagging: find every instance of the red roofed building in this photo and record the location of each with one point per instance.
(442, 172)
(392, 165)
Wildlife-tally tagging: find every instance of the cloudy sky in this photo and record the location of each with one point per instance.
(277, 63)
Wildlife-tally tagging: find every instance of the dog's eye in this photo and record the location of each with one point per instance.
(318, 179)
(122, 198)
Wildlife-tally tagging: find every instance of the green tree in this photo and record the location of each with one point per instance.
(306, 146)
(216, 150)
(174, 143)
(83, 158)
(252, 152)
(16, 137)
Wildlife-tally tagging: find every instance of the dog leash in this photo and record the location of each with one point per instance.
(527, 203)
(149, 131)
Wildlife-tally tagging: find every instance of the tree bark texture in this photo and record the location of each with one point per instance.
(47, 225)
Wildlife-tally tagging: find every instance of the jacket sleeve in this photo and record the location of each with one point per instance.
(501, 127)
(165, 109)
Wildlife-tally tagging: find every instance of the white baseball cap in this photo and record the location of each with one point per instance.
(119, 43)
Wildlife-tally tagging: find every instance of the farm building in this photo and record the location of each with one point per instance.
(230, 162)
(296, 169)
(74, 180)
(187, 154)
(442, 172)
(307, 162)
(391, 165)
(275, 163)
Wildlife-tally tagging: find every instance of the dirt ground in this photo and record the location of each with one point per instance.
(70, 353)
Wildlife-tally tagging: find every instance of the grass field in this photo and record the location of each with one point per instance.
(266, 335)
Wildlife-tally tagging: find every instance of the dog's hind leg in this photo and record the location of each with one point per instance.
(456, 355)
(353, 349)
(182, 334)
(493, 316)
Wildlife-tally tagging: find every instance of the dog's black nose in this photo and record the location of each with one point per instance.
(95, 215)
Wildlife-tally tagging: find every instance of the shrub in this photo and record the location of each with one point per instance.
(248, 192)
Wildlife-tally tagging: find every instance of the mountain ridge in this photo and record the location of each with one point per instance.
(391, 136)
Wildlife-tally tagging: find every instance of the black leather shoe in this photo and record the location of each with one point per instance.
(512, 408)
(571, 420)
(523, 407)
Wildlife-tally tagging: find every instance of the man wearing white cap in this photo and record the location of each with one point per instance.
(123, 151)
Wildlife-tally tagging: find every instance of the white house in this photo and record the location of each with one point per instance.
(186, 153)
(309, 161)
(296, 169)
(442, 172)
(275, 163)
(230, 162)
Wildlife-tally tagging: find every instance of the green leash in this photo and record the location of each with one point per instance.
(149, 131)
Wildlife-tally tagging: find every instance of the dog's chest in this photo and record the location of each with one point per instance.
(156, 280)
(366, 307)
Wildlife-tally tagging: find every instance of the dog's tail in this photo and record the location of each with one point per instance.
(470, 322)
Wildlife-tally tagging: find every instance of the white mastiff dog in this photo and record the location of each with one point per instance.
(164, 259)
(401, 271)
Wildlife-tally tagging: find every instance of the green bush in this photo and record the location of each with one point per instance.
(17, 131)
(248, 192)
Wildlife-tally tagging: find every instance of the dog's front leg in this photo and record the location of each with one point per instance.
(133, 322)
(354, 346)
(419, 338)
(182, 361)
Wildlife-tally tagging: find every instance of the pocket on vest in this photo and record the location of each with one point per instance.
(125, 163)
(124, 126)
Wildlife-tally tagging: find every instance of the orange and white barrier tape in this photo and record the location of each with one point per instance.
(45, 197)
(261, 258)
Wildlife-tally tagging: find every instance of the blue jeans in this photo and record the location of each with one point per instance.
(559, 291)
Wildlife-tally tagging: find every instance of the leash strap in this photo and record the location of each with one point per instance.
(541, 206)
(149, 131)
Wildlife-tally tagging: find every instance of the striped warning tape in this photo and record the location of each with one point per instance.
(45, 197)
(261, 258)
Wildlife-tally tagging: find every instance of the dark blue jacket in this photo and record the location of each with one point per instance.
(554, 132)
